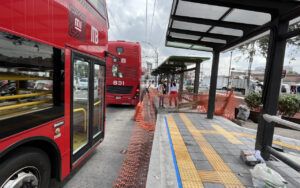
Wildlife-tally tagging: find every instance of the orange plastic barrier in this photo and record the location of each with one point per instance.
(133, 172)
(225, 103)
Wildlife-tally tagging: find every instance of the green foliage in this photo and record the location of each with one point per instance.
(289, 105)
(261, 45)
(253, 100)
(189, 89)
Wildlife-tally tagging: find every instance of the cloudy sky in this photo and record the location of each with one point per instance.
(128, 22)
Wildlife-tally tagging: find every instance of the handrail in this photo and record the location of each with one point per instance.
(23, 96)
(84, 114)
(13, 76)
(280, 121)
(274, 119)
(97, 103)
(284, 159)
(10, 107)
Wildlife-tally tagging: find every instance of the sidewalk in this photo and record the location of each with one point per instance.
(192, 151)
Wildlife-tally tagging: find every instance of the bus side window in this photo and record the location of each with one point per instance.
(30, 72)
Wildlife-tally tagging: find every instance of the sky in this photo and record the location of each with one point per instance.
(127, 20)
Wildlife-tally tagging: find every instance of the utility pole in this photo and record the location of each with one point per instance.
(250, 64)
(229, 71)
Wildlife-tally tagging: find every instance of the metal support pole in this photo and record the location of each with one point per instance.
(272, 82)
(181, 80)
(197, 76)
(213, 85)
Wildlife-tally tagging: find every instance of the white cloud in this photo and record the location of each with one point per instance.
(128, 22)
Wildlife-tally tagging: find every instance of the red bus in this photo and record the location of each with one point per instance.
(49, 125)
(123, 73)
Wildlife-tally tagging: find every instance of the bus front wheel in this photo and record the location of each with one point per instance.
(27, 167)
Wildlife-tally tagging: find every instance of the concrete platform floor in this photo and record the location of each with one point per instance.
(192, 151)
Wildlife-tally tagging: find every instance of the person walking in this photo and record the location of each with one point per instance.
(173, 92)
(162, 91)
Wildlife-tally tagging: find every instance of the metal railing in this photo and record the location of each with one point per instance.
(278, 120)
(20, 96)
(274, 119)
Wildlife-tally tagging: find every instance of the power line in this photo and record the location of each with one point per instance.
(113, 18)
(154, 8)
(146, 21)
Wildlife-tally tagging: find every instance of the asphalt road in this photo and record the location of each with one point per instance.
(103, 166)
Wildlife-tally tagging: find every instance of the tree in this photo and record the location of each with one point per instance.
(261, 46)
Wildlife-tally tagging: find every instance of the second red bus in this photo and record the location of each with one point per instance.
(123, 73)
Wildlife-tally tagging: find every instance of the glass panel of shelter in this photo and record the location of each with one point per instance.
(198, 10)
(248, 17)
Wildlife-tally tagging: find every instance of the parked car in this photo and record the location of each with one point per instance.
(8, 88)
(43, 85)
(82, 83)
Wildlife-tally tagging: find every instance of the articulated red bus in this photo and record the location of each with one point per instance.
(52, 80)
(123, 73)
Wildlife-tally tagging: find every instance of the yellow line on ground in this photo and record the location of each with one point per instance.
(283, 144)
(249, 135)
(225, 174)
(277, 142)
(208, 131)
(228, 135)
(188, 172)
(210, 176)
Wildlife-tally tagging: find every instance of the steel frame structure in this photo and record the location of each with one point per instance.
(281, 12)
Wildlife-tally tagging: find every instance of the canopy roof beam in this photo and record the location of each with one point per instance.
(273, 7)
(232, 25)
(204, 34)
(195, 42)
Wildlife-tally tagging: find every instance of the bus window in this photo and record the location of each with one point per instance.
(99, 75)
(81, 68)
(120, 50)
(28, 78)
(100, 6)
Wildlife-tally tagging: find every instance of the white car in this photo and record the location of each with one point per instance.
(82, 83)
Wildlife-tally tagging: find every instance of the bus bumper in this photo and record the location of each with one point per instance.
(122, 100)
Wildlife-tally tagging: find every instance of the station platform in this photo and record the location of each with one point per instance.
(191, 151)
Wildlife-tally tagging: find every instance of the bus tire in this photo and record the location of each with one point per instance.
(27, 164)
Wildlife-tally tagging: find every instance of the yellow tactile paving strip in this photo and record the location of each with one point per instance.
(210, 176)
(280, 143)
(248, 135)
(228, 135)
(188, 172)
(222, 171)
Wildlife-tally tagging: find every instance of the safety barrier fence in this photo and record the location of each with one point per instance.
(134, 169)
(225, 103)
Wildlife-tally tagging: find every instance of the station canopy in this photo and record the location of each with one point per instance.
(177, 64)
(209, 25)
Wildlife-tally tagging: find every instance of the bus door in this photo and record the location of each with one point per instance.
(87, 104)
